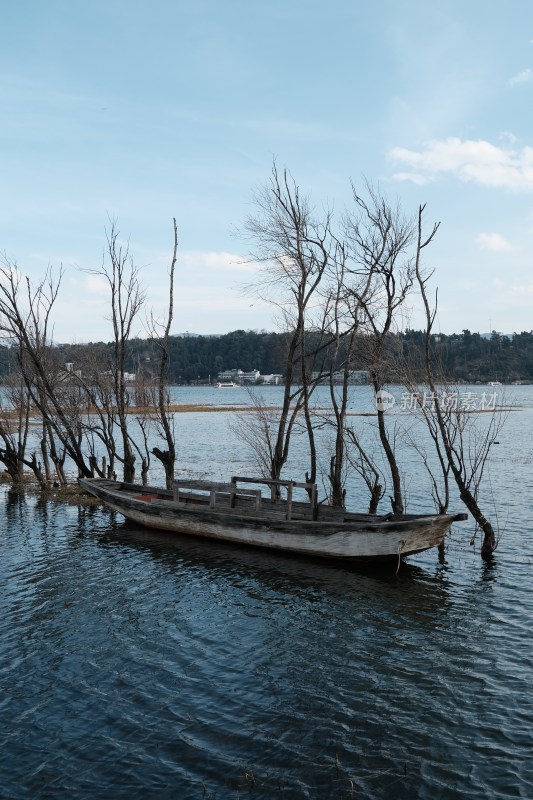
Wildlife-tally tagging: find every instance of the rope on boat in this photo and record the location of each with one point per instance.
(401, 544)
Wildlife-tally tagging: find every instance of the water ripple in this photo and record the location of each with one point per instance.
(135, 665)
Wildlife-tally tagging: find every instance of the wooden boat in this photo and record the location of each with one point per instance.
(240, 514)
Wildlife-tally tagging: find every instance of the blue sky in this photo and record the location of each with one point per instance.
(141, 111)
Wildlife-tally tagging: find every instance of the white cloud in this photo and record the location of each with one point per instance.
(526, 76)
(466, 285)
(494, 242)
(508, 138)
(217, 300)
(197, 259)
(418, 178)
(474, 161)
(518, 295)
(96, 284)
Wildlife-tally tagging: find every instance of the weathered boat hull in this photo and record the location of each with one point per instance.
(362, 539)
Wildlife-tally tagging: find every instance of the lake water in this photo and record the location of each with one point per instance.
(139, 665)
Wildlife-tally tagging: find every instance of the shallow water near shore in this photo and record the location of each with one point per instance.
(141, 665)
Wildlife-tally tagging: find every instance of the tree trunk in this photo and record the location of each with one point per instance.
(397, 498)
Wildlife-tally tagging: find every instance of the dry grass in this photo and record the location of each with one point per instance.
(184, 408)
(72, 494)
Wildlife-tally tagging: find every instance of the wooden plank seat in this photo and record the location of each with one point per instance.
(220, 494)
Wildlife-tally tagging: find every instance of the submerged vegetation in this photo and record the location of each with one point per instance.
(341, 286)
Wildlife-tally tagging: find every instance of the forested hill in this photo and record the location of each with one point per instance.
(467, 356)
(472, 357)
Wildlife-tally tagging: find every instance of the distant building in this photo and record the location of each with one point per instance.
(69, 367)
(251, 377)
(231, 375)
(356, 377)
(248, 378)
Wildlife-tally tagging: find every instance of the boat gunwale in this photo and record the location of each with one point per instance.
(347, 521)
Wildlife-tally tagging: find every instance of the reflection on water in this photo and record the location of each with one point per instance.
(140, 665)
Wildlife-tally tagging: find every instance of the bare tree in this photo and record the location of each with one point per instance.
(98, 410)
(126, 299)
(257, 427)
(15, 416)
(294, 246)
(364, 464)
(340, 297)
(462, 444)
(381, 241)
(352, 287)
(25, 316)
(160, 335)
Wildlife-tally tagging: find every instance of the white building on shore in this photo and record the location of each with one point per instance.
(251, 378)
(356, 377)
